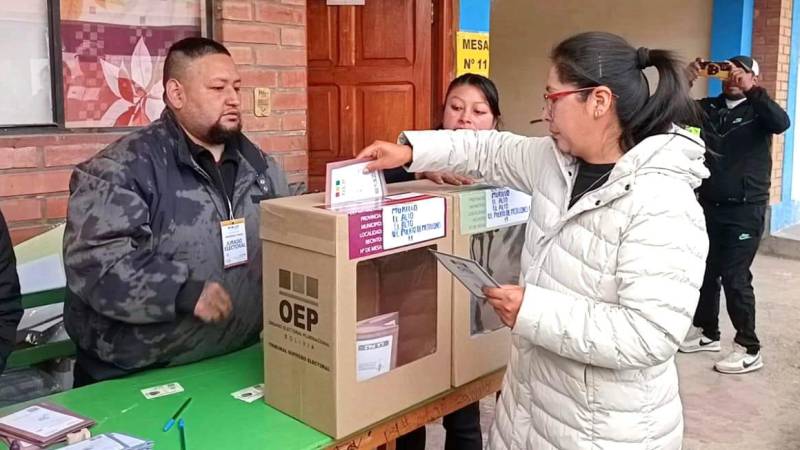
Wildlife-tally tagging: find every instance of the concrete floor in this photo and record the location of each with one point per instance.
(760, 410)
(792, 232)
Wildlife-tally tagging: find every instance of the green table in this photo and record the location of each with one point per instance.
(214, 419)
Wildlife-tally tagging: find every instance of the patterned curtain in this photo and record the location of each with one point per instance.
(113, 56)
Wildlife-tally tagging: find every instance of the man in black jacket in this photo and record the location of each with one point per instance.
(737, 127)
(10, 307)
(161, 247)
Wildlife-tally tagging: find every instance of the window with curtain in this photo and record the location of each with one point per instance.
(111, 57)
(26, 92)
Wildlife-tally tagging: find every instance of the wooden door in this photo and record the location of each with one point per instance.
(369, 76)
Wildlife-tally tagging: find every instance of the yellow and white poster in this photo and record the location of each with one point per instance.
(472, 53)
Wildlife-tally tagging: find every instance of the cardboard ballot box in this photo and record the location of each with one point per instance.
(488, 227)
(356, 308)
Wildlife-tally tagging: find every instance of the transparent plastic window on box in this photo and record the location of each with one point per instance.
(396, 311)
(499, 252)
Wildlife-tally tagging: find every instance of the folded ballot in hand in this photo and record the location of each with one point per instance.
(468, 272)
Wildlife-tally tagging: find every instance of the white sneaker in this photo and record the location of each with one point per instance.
(739, 361)
(695, 341)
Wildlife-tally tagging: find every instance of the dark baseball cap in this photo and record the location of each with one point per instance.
(747, 63)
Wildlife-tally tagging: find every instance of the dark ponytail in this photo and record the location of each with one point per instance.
(605, 59)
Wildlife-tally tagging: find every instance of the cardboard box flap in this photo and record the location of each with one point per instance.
(429, 187)
(360, 228)
(300, 222)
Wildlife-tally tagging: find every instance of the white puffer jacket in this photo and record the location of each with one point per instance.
(610, 288)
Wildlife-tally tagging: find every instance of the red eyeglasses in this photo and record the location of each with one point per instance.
(551, 97)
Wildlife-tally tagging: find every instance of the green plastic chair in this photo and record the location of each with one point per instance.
(36, 354)
(37, 247)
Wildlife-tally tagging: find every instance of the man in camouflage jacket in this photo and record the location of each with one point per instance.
(143, 247)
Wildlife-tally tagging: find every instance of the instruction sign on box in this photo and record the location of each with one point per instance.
(399, 222)
(506, 207)
(487, 209)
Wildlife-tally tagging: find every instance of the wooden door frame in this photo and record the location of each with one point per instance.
(442, 54)
(443, 28)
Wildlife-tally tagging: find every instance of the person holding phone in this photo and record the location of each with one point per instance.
(738, 126)
(614, 252)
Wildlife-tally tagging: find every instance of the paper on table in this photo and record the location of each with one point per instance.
(101, 442)
(125, 439)
(161, 391)
(110, 441)
(346, 182)
(249, 394)
(41, 422)
(468, 272)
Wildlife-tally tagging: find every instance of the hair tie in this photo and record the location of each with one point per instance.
(643, 58)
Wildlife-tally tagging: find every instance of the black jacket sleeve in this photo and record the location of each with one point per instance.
(770, 114)
(397, 175)
(10, 306)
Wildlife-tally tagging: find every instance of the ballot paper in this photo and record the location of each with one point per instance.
(111, 441)
(346, 182)
(376, 345)
(467, 271)
(161, 391)
(42, 424)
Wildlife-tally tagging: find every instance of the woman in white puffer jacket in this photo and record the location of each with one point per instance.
(614, 253)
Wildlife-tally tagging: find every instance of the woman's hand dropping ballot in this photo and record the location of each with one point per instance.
(386, 155)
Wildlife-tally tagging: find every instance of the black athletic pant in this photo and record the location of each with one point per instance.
(462, 427)
(734, 232)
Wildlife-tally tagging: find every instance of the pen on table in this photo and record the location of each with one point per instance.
(171, 421)
(181, 426)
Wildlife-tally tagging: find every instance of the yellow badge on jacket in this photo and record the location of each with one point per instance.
(694, 130)
(234, 242)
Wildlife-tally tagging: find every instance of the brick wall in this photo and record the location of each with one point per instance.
(34, 176)
(772, 35)
(267, 40)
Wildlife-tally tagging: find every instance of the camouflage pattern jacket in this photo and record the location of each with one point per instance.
(143, 220)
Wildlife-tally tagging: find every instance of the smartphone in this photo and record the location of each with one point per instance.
(721, 70)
